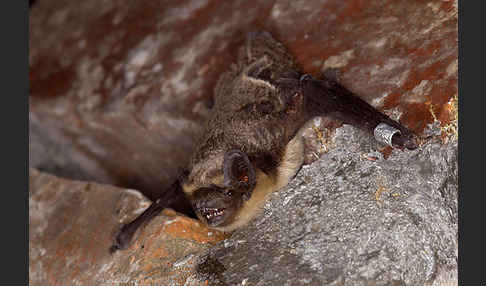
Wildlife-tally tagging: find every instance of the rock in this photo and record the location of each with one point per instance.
(118, 91)
(72, 225)
(352, 218)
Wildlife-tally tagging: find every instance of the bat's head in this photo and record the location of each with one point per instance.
(217, 204)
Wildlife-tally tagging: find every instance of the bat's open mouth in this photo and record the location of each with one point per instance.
(212, 215)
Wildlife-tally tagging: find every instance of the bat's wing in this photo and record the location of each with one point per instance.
(329, 98)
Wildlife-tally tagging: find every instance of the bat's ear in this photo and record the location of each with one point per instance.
(238, 171)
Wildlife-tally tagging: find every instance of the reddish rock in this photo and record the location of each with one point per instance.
(72, 225)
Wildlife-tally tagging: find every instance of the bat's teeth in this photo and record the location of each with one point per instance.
(210, 213)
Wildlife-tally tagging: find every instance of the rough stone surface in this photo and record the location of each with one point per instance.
(118, 89)
(72, 225)
(352, 218)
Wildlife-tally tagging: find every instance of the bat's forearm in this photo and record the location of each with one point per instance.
(126, 233)
(329, 98)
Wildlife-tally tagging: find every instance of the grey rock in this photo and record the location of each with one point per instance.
(348, 220)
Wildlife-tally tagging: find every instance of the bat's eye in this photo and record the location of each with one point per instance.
(228, 193)
(244, 179)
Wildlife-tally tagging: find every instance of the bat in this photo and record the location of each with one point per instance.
(251, 144)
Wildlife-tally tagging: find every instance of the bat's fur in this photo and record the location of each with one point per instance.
(248, 113)
(251, 144)
(254, 114)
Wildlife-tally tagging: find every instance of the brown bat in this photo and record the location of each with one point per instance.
(251, 145)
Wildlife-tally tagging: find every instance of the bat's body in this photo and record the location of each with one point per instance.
(251, 144)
